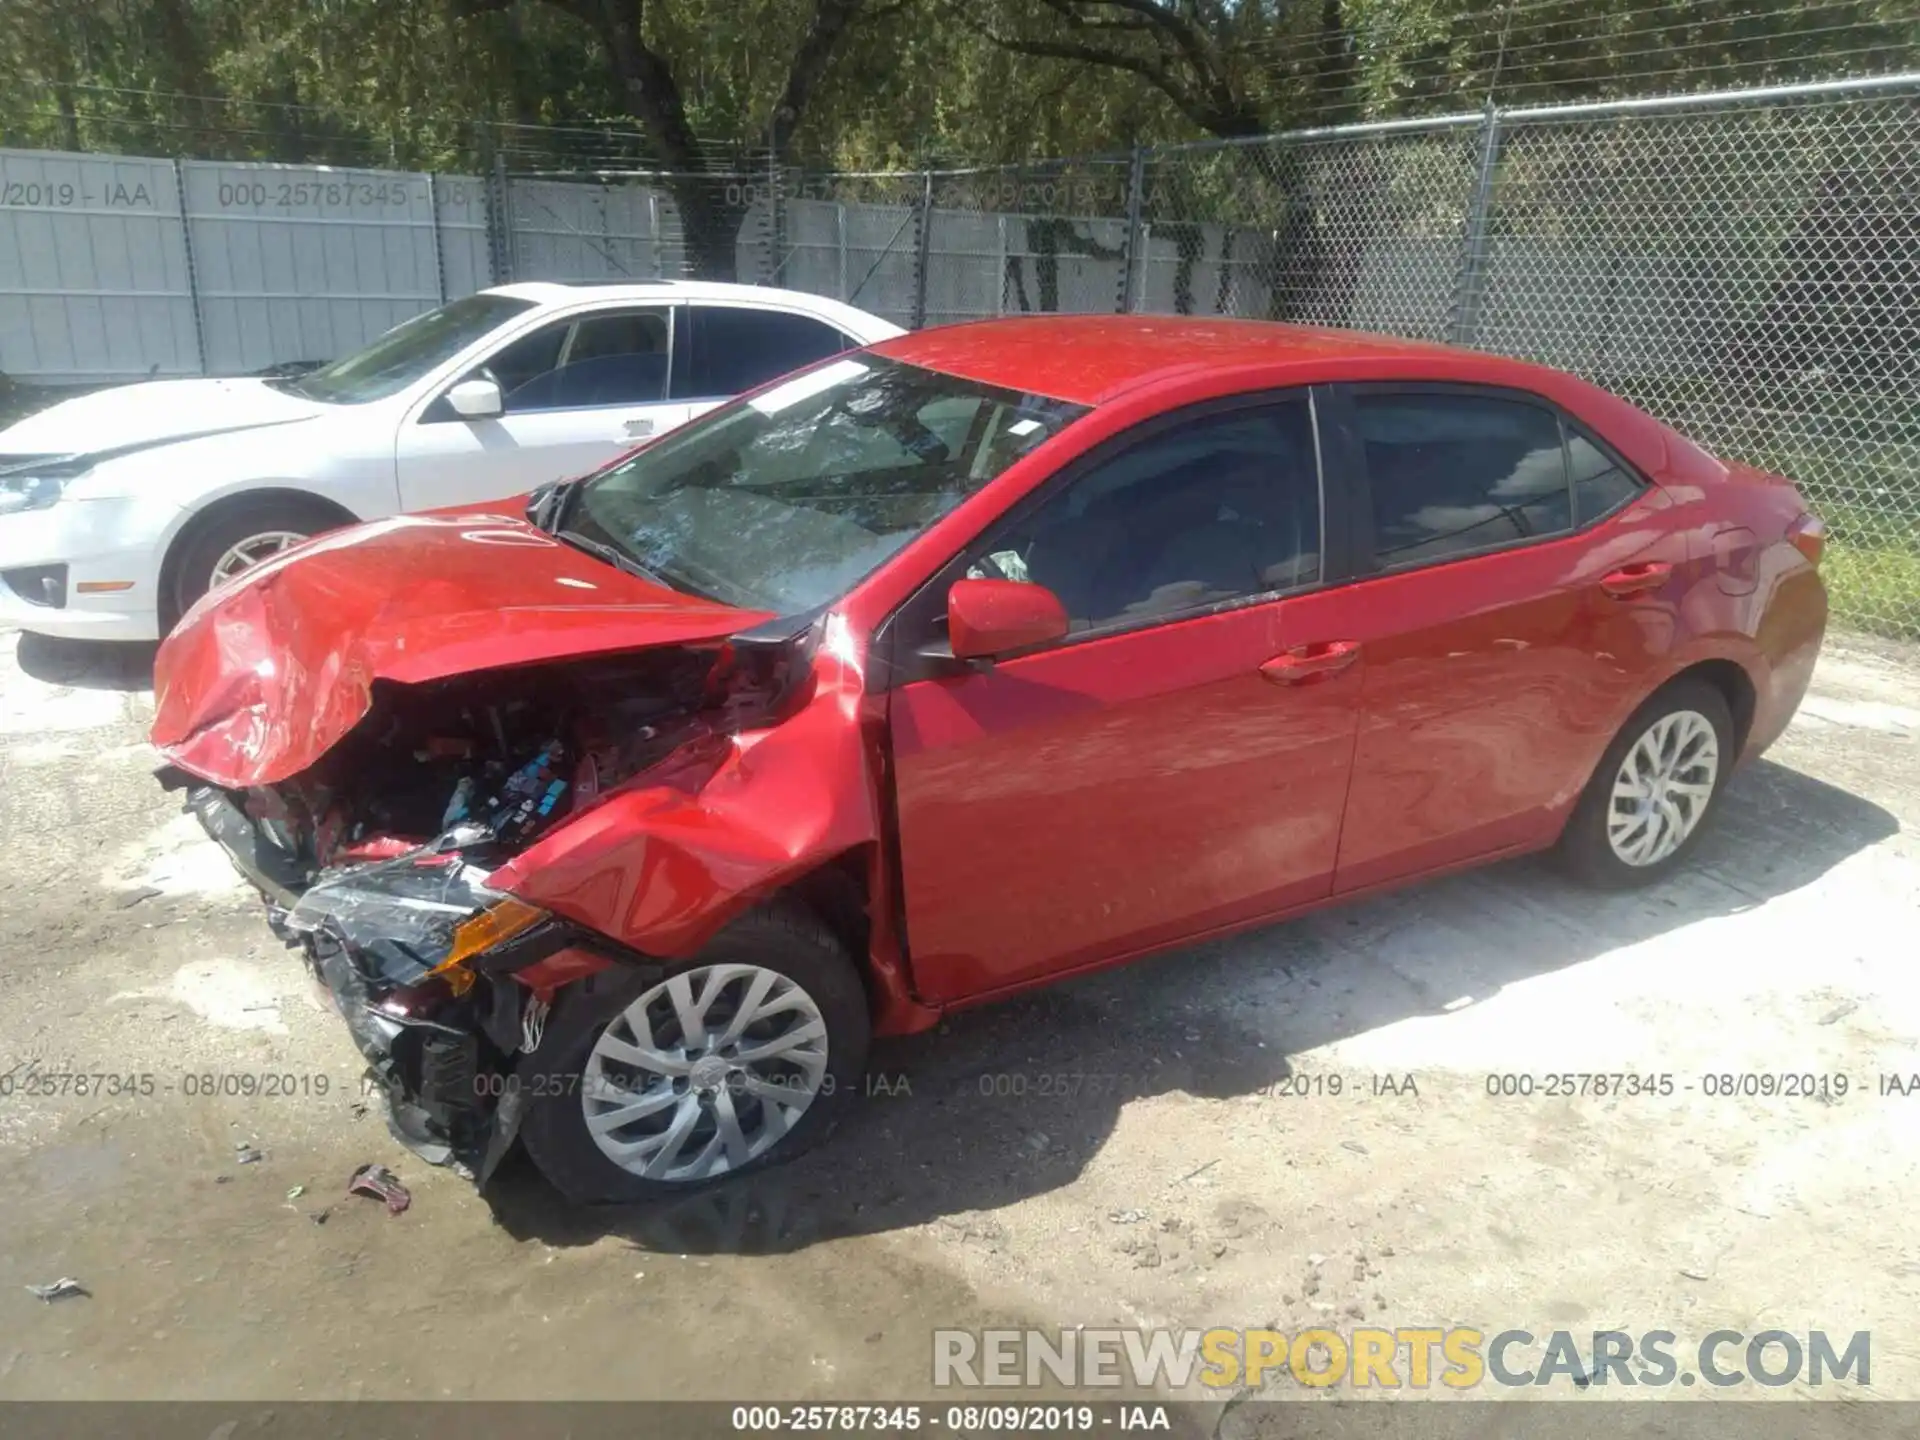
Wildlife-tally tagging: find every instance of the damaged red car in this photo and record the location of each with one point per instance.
(616, 823)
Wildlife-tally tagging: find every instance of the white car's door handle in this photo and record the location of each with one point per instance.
(636, 428)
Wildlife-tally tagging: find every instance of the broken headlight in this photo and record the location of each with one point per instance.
(427, 912)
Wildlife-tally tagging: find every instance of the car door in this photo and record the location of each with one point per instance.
(1520, 599)
(578, 392)
(1179, 761)
(728, 349)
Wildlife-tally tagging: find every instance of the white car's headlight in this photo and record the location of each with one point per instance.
(33, 490)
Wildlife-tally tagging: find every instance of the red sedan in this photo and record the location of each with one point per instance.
(946, 668)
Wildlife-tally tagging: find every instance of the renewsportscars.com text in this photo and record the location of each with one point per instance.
(1404, 1357)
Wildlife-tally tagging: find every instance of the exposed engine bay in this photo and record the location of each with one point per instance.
(503, 754)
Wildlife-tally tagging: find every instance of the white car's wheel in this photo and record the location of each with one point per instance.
(233, 540)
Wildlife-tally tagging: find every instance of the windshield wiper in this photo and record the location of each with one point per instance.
(614, 556)
(548, 506)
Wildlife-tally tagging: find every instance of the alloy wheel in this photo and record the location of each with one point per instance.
(247, 553)
(1663, 788)
(704, 1073)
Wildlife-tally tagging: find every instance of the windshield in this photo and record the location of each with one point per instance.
(782, 502)
(406, 352)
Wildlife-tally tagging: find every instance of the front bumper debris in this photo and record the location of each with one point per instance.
(370, 936)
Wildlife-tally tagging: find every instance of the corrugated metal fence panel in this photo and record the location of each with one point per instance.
(461, 208)
(816, 254)
(1074, 266)
(564, 230)
(306, 262)
(967, 254)
(93, 268)
(880, 260)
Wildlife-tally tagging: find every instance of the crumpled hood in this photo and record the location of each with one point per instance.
(132, 417)
(265, 675)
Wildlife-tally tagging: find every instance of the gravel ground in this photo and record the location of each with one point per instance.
(1193, 1168)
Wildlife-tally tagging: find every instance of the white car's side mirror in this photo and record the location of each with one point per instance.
(476, 399)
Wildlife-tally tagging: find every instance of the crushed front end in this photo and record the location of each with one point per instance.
(375, 862)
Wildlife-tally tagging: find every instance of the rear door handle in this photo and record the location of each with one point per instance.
(637, 428)
(1637, 579)
(1308, 662)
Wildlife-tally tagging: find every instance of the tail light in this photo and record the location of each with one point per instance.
(1808, 535)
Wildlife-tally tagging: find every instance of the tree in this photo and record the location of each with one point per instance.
(650, 92)
(1188, 50)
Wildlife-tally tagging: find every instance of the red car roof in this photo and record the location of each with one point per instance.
(1090, 359)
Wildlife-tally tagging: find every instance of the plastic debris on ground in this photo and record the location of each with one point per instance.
(381, 1183)
(63, 1288)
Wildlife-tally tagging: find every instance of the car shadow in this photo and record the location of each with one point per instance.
(88, 664)
(1011, 1101)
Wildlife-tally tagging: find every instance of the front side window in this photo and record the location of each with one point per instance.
(784, 502)
(617, 359)
(1452, 473)
(407, 352)
(734, 349)
(1218, 508)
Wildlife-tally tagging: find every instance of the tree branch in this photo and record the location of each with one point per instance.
(1204, 95)
(830, 22)
(1200, 50)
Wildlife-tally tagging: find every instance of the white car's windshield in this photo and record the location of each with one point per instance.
(406, 352)
(783, 501)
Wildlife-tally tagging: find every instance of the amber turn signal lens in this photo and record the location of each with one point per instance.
(1808, 535)
(493, 926)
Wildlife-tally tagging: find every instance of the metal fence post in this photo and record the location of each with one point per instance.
(439, 249)
(840, 248)
(923, 254)
(1136, 234)
(1470, 285)
(499, 209)
(193, 275)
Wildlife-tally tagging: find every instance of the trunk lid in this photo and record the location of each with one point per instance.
(267, 674)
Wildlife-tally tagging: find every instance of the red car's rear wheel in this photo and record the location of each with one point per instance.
(1651, 795)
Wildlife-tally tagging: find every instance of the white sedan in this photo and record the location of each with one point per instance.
(119, 509)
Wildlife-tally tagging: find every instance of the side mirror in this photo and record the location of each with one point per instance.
(991, 617)
(476, 399)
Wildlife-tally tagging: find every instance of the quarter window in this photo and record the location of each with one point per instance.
(1451, 473)
(1216, 509)
(1600, 485)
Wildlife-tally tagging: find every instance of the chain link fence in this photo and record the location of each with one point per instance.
(1745, 265)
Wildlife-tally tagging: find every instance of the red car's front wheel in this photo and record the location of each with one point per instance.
(648, 1081)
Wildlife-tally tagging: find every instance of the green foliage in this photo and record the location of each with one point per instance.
(409, 82)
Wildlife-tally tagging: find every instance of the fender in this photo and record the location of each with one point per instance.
(662, 865)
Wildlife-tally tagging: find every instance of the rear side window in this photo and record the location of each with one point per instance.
(1452, 473)
(736, 349)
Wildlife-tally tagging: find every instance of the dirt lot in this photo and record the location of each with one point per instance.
(1179, 1179)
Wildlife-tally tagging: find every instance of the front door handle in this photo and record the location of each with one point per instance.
(1636, 579)
(637, 428)
(1309, 662)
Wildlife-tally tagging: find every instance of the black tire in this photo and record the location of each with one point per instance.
(1585, 850)
(781, 937)
(191, 570)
